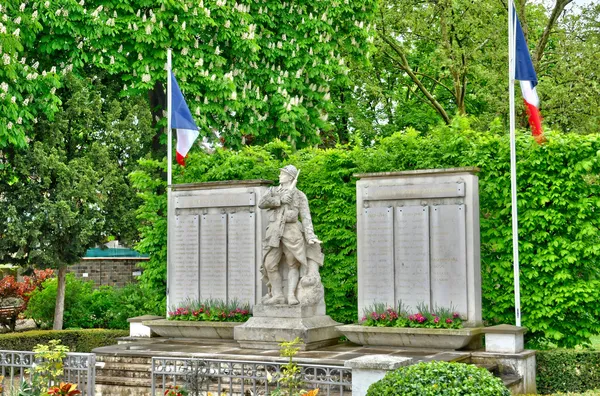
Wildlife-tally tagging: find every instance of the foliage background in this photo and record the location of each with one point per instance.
(558, 203)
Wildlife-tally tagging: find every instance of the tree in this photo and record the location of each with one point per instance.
(26, 90)
(251, 71)
(570, 73)
(71, 183)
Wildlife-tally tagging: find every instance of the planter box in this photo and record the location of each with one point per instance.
(192, 329)
(413, 337)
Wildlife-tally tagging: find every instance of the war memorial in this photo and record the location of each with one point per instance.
(254, 242)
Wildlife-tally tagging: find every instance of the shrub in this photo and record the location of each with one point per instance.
(76, 340)
(439, 378)
(558, 191)
(562, 370)
(77, 300)
(105, 307)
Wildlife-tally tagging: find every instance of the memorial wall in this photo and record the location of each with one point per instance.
(418, 240)
(214, 242)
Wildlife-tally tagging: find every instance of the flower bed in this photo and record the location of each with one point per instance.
(211, 311)
(440, 318)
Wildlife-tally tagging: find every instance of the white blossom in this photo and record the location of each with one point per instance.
(9, 125)
(146, 78)
(26, 102)
(17, 32)
(53, 69)
(140, 57)
(2, 28)
(217, 51)
(80, 45)
(19, 120)
(148, 29)
(234, 95)
(112, 60)
(18, 20)
(6, 59)
(183, 25)
(120, 48)
(13, 99)
(227, 24)
(47, 4)
(34, 15)
(184, 51)
(4, 86)
(22, 7)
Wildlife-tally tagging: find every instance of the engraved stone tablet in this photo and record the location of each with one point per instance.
(184, 260)
(215, 200)
(378, 250)
(448, 257)
(213, 256)
(412, 191)
(411, 240)
(241, 254)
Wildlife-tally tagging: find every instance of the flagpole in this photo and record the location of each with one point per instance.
(169, 160)
(513, 157)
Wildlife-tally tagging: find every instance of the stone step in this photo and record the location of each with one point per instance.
(491, 367)
(127, 370)
(124, 359)
(121, 381)
(511, 380)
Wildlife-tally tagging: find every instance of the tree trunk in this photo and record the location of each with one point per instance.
(59, 308)
(559, 6)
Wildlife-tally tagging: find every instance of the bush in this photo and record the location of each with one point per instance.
(559, 197)
(106, 307)
(439, 378)
(76, 340)
(562, 370)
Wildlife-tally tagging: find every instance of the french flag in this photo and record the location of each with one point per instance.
(525, 73)
(182, 121)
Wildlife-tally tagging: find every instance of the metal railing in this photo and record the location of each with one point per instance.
(236, 377)
(79, 368)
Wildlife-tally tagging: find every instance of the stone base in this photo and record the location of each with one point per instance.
(270, 325)
(192, 329)
(464, 338)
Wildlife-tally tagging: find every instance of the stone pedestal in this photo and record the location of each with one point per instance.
(369, 369)
(272, 324)
(504, 339)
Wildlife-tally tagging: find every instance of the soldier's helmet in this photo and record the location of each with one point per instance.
(290, 170)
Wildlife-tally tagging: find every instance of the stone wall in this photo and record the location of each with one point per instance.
(108, 271)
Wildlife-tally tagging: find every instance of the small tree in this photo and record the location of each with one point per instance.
(71, 182)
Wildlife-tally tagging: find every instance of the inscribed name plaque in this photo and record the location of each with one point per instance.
(213, 256)
(378, 251)
(411, 240)
(448, 257)
(184, 266)
(241, 251)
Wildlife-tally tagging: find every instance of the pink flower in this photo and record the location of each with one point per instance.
(363, 319)
(449, 321)
(382, 316)
(436, 320)
(455, 315)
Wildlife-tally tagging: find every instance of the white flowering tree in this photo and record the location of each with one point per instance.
(26, 90)
(251, 70)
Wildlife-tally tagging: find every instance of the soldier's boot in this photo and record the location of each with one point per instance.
(276, 290)
(293, 277)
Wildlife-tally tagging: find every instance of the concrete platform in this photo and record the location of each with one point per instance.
(222, 349)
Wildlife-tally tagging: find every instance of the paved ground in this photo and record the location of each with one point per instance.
(229, 350)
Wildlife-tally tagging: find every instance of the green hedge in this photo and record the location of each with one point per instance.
(559, 200)
(563, 370)
(76, 340)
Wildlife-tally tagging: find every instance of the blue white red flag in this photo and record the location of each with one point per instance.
(182, 121)
(525, 73)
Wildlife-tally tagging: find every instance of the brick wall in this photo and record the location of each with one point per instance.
(108, 271)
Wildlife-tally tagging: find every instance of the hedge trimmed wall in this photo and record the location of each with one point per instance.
(559, 201)
(76, 340)
(567, 371)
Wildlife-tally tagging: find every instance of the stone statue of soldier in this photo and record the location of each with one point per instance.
(290, 240)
